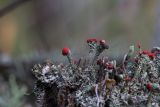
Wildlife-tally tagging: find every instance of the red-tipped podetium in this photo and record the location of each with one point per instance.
(151, 55)
(103, 44)
(65, 51)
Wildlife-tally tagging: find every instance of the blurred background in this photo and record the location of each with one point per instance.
(32, 31)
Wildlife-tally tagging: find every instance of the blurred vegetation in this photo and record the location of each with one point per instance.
(2, 2)
(13, 97)
(48, 25)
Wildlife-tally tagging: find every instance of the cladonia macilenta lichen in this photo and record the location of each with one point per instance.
(100, 82)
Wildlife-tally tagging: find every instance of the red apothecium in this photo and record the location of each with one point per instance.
(91, 40)
(102, 42)
(110, 66)
(149, 86)
(127, 78)
(138, 45)
(65, 51)
(99, 62)
(145, 52)
(151, 55)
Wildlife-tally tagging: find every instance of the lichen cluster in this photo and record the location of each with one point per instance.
(100, 82)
